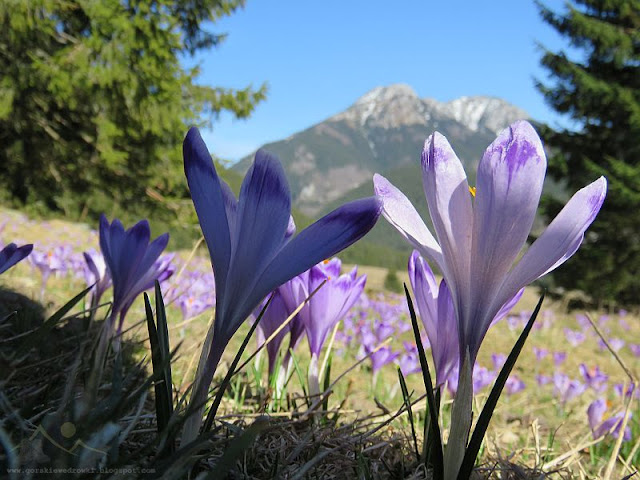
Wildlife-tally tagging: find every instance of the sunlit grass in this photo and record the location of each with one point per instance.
(532, 426)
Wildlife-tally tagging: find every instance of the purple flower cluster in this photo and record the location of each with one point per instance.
(601, 425)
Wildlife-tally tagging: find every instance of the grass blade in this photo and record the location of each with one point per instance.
(163, 339)
(51, 322)
(407, 402)
(327, 382)
(301, 377)
(436, 450)
(487, 411)
(163, 397)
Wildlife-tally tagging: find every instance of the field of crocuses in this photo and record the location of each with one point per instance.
(566, 391)
(338, 350)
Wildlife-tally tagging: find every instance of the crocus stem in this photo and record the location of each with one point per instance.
(461, 417)
(281, 380)
(95, 377)
(314, 382)
(206, 369)
(43, 287)
(374, 382)
(286, 369)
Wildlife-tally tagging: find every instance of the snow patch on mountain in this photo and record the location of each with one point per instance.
(489, 112)
(397, 105)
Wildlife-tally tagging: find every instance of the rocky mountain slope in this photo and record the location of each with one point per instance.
(382, 131)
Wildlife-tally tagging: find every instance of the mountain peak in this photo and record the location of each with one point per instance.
(386, 107)
(387, 93)
(489, 112)
(382, 131)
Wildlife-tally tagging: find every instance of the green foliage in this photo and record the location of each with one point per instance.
(95, 102)
(600, 93)
(392, 282)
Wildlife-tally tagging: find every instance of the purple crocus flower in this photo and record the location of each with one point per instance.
(380, 357)
(574, 337)
(540, 353)
(615, 343)
(601, 426)
(53, 260)
(514, 385)
(498, 360)
(409, 362)
(631, 389)
(133, 263)
(480, 236)
(565, 388)
(559, 358)
(12, 254)
(251, 246)
(274, 316)
(635, 349)
(192, 304)
(583, 321)
(293, 294)
(193, 292)
(383, 330)
(482, 377)
(97, 274)
(326, 308)
(542, 380)
(436, 310)
(594, 377)
(514, 322)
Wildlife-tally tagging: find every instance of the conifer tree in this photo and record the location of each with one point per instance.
(95, 99)
(597, 86)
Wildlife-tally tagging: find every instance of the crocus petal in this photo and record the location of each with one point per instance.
(446, 352)
(323, 239)
(425, 291)
(559, 241)
(509, 185)
(275, 314)
(210, 199)
(92, 266)
(230, 207)
(131, 254)
(595, 412)
(291, 228)
(12, 254)
(447, 191)
(331, 267)
(105, 240)
(355, 288)
(263, 213)
(294, 292)
(330, 303)
(152, 253)
(507, 307)
(400, 213)
(129, 260)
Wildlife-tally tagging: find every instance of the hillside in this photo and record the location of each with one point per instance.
(383, 130)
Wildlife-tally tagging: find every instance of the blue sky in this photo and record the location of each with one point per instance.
(319, 57)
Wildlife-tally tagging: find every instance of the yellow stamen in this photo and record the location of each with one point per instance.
(472, 191)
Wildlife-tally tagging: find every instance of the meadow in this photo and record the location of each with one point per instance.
(541, 420)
